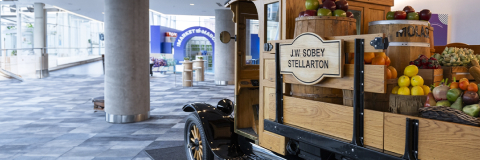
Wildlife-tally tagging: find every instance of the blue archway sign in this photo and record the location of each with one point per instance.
(186, 35)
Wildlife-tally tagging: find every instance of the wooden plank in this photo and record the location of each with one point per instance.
(431, 76)
(375, 79)
(348, 42)
(273, 142)
(269, 70)
(377, 2)
(437, 139)
(244, 111)
(332, 119)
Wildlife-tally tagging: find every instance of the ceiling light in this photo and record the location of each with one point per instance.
(103, 12)
(192, 4)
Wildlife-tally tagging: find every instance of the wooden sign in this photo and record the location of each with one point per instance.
(309, 58)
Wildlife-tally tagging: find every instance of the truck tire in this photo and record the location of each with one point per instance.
(196, 144)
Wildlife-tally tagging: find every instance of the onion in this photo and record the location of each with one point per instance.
(440, 92)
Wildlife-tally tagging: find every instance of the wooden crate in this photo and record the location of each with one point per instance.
(431, 76)
(438, 140)
(325, 26)
(406, 105)
(373, 101)
(458, 72)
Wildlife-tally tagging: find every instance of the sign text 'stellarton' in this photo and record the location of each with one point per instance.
(305, 53)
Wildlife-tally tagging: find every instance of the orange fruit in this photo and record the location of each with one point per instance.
(454, 85)
(463, 85)
(368, 57)
(389, 74)
(463, 79)
(387, 61)
(381, 54)
(472, 87)
(378, 61)
(393, 71)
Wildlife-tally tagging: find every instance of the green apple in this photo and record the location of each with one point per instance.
(340, 13)
(311, 4)
(413, 16)
(391, 15)
(324, 12)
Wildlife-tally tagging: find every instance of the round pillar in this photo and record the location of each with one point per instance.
(224, 52)
(127, 81)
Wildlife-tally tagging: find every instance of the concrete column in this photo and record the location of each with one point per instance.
(19, 29)
(40, 38)
(224, 52)
(127, 81)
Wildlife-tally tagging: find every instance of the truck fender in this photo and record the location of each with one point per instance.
(218, 128)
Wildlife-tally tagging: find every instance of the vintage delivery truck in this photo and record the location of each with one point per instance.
(293, 104)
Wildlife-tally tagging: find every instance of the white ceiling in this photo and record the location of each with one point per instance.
(94, 8)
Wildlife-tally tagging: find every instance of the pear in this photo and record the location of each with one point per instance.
(458, 104)
(430, 100)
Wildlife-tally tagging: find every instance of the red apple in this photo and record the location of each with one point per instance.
(310, 13)
(400, 15)
(350, 14)
(425, 15)
(328, 4)
(302, 13)
(342, 4)
(408, 9)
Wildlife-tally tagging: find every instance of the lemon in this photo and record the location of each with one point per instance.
(403, 81)
(426, 89)
(395, 90)
(417, 91)
(417, 81)
(404, 91)
(411, 70)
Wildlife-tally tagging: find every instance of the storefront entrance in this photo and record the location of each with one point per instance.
(196, 42)
(199, 46)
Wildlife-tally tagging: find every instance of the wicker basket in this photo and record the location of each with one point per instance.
(448, 114)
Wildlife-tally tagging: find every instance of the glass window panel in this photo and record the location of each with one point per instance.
(273, 23)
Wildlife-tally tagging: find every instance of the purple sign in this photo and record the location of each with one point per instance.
(439, 23)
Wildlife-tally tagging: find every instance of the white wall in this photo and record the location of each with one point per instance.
(463, 20)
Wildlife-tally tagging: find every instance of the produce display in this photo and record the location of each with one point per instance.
(461, 95)
(423, 62)
(378, 58)
(409, 13)
(411, 83)
(456, 56)
(327, 8)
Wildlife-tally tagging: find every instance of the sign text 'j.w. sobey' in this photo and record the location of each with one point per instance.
(310, 59)
(308, 63)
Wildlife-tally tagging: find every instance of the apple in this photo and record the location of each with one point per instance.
(425, 15)
(391, 15)
(408, 9)
(310, 13)
(311, 4)
(350, 14)
(400, 15)
(302, 13)
(324, 12)
(340, 13)
(413, 16)
(342, 4)
(328, 4)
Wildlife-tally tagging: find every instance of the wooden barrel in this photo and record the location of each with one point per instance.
(408, 40)
(406, 105)
(326, 26)
(373, 101)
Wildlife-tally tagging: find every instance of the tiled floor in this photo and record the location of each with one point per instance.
(53, 118)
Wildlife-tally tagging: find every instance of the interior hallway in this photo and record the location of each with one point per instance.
(53, 118)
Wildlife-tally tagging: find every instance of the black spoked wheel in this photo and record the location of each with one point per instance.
(196, 146)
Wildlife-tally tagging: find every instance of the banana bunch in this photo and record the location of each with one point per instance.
(456, 56)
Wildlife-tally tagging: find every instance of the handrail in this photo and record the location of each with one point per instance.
(11, 74)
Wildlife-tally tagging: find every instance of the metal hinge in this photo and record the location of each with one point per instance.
(411, 139)
(267, 47)
(379, 43)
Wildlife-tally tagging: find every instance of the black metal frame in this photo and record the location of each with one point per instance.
(354, 149)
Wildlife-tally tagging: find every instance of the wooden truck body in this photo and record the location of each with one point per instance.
(270, 123)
